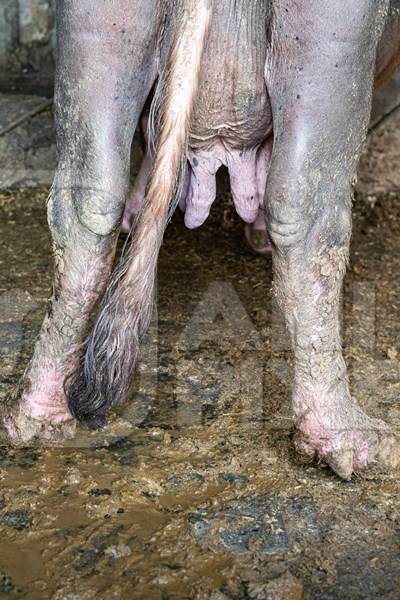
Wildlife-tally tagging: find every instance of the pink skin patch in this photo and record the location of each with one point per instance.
(247, 184)
(136, 198)
(47, 402)
(10, 428)
(320, 439)
(257, 234)
(248, 170)
(334, 427)
(202, 186)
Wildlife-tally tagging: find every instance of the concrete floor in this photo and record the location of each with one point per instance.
(193, 490)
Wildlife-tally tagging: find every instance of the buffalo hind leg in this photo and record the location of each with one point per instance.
(320, 96)
(106, 67)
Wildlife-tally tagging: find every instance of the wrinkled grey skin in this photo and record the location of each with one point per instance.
(320, 98)
(310, 74)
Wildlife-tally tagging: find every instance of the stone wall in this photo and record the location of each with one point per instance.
(26, 44)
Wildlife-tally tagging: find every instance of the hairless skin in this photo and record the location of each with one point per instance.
(282, 99)
(320, 98)
(111, 350)
(106, 66)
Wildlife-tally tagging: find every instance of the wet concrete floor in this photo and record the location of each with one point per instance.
(193, 491)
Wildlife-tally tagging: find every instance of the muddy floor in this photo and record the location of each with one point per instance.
(193, 490)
